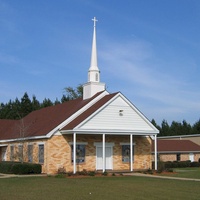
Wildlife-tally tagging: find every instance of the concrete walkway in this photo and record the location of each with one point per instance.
(161, 177)
(124, 174)
(20, 176)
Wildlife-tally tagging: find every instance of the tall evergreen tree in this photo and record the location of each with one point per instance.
(164, 128)
(196, 127)
(35, 103)
(26, 105)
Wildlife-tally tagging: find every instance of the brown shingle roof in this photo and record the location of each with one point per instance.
(41, 122)
(176, 146)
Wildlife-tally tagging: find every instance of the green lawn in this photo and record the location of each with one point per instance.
(191, 172)
(97, 188)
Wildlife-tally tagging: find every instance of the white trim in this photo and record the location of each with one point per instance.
(131, 151)
(27, 138)
(155, 152)
(76, 114)
(3, 145)
(74, 153)
(127, 143)
(103, 152)
(107, 144)
(40, 143)
(171, 152)
(179, 136)
(109, 131)
(154, 131)
(79, 143)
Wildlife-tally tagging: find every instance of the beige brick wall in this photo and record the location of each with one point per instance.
(172, 157)
(59, 153)
(35, 144)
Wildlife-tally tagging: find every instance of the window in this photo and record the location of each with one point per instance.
(3, 153)
(80, 154)
(41, 153)
(11, 153)
(126, 153)
(97, 77)
(178, 157)
(20, 153)
(30, 153)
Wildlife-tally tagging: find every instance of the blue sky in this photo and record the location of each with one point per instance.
(148, 50)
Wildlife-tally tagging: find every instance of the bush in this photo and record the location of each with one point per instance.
(195, 164)
(91, 173)
(161, 166)
(105, 173)
(8, 167)
(61, 170)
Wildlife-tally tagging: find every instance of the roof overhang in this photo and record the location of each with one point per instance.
(26, 138)
(108, 132)
(172, 152)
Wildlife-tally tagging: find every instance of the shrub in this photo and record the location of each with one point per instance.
(161, 166)
(8, 167)
(91, 173)
(105, 173)
(61, 170)
(194, 164)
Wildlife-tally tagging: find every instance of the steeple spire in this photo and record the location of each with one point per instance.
(93, 64)
(94, 73)
(93, 85)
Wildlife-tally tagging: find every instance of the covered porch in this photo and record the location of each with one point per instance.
(112, 151)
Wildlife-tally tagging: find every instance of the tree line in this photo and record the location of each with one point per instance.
(177, 128)
(17, 109)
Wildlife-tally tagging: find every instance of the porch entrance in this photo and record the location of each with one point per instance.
(108, 158)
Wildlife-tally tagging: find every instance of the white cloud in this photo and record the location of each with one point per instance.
(135, 65)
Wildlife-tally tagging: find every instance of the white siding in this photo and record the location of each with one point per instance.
(110, 118)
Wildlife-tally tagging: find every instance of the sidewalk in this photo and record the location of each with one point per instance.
(20, 176)
(161, 177)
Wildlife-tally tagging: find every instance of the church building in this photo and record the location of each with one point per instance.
(98, 132)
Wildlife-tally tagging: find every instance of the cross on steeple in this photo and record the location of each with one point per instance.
(93, 85)
(95, 20)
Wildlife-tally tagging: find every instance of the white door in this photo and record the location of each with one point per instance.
(108, 155)
(3, 153)
(191, 157)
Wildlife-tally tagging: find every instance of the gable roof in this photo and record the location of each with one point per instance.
(63, 117)
(41, 122)
(113, 114)
(176, 146)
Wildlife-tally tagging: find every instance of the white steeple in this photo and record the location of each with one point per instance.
(93, 64)
(93, 85)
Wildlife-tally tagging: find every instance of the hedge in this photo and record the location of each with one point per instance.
(8, 167)
(176, 164)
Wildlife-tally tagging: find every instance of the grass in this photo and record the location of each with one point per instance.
(190, 172)
(98, 188)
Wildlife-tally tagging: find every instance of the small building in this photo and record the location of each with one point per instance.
(177, 150)
(101, 131)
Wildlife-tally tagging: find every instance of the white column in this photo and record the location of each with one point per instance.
(131, 151)
(155, 150)
(74, 152)
(103, 152)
